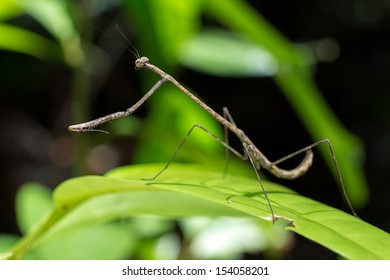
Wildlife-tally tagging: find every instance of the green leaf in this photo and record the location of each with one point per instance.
(189, 190)
(220, 53)
(348, 236)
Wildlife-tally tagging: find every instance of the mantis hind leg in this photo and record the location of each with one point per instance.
(336, 167)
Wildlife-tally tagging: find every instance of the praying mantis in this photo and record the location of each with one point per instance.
(250, 152)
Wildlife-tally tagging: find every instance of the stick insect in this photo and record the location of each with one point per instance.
(250, 151)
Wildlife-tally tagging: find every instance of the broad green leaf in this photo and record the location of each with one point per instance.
(227, 54)
(320, 223)
(188, 190)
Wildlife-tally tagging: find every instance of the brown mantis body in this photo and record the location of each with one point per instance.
(251, 152)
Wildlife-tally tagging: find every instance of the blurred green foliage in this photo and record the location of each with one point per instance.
(83, 206)
(171, 34)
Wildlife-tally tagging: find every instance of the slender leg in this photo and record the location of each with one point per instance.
(336, 166)
(243, 157)
(228, 116)
(252, 159)
(248, 153)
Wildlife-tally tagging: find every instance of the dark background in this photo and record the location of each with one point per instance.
(34, 108)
